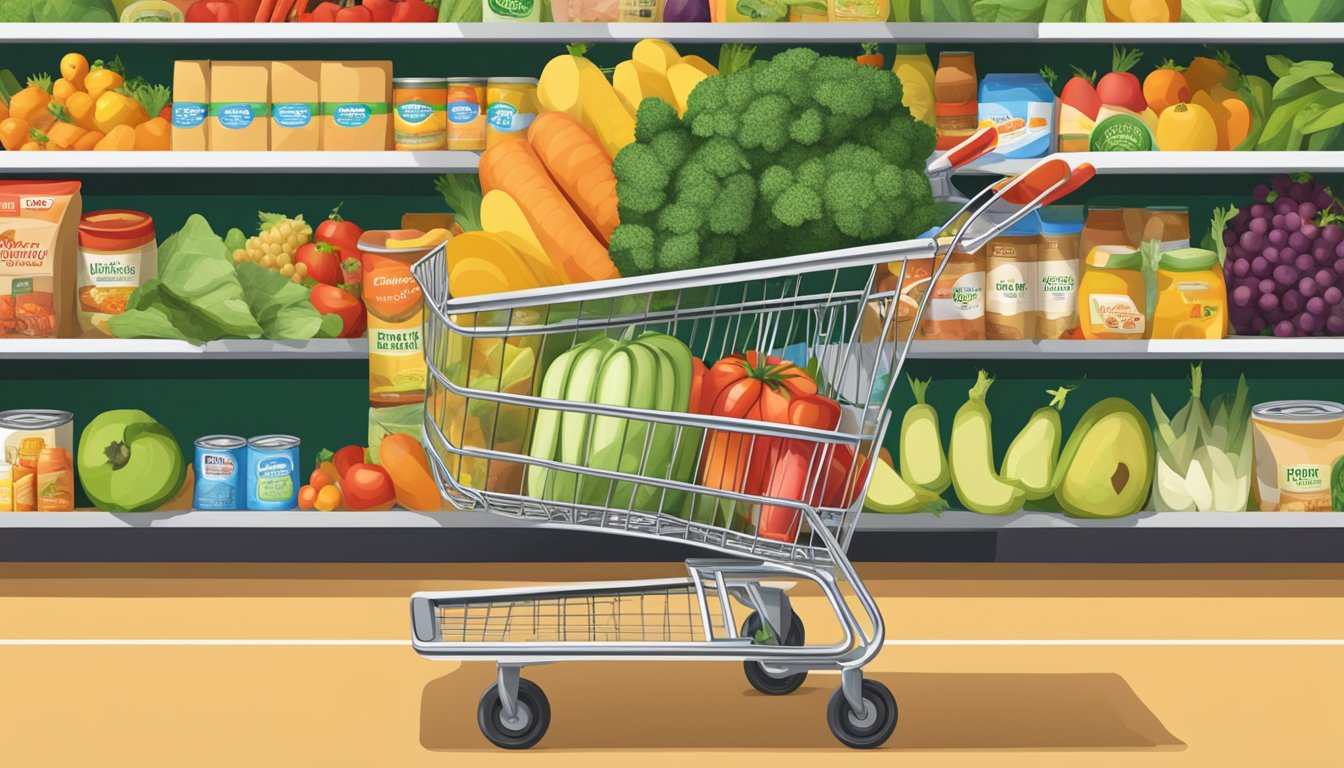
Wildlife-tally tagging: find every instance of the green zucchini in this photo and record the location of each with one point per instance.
(923, 461)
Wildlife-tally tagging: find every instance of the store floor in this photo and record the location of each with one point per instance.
(1046, 666)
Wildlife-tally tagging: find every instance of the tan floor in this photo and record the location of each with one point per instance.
(1254, 704)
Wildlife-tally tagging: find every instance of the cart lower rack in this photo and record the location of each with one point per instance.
(572, 406)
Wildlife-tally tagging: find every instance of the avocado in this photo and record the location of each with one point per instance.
(128, 462)
(1033, 455)
(1106, 468)
(971, 458)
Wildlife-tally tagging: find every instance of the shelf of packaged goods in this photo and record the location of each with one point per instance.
(930, 32)
(171, 349)
(1169, 163)
(238, 162)
(1236, 348)
(475, 537)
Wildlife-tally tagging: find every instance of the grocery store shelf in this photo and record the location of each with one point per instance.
(237, 162)
(402, 537)
(1168, 163)
(1243, 348)
(701, 32)
(170, 349)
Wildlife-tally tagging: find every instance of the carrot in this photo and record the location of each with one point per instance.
(81, 107)
(580, 166)
(264, 11)
(65, 134)
(119, 139)
(153, 135)
(515, 168)
(88, 141)
(282, 9)
(406, 463)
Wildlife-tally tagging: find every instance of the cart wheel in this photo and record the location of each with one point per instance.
(533, 717)
(756, 675)
(869, 729)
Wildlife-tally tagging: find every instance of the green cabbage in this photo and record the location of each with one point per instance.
(1223, 11)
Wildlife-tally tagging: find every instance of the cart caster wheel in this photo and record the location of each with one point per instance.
(533, 717)
(866, 730)
(756, 675)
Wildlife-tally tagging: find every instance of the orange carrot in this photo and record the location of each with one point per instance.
(515, 168)
(405, 461)
(282, 9)
(154, 135)
(580, 166)
(264, 11)
(88, 141)
(65, 134)
(119, 139)
(1238, 121)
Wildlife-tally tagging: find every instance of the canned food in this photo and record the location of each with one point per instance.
(221, 462)
(273, 472)
(1299, 455)
(511, 108)
(466, 113)
(420, 106)
(24, 436)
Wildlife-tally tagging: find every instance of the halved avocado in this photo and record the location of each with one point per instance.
(1106, 469)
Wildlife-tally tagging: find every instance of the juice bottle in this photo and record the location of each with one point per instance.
(1191, 296)
(396, 306)
(1104, 226)
(1111, 297)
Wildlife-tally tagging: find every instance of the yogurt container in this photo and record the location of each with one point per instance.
(221, 463)
(273, 472)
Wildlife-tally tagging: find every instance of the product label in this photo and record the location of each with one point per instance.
(506, 118)
(1023, 126)
(511, 9)
(1058, 294)
(396, 343)
(105, 281)
(238, 115)
(964, 299)
(1011, 288)
(274, 480)
(188, 114)
(1121, 133)
(460, 112)
(1115, 313)
(294, 115)
(417, 112)
(353, 114)
(217, 466)
(1303, 478)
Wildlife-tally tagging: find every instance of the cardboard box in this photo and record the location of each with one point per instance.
(355, 98)
(191, 105)
(240, 106)
(296, 118)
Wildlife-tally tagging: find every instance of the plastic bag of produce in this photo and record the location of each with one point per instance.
(1306, 10)
(1221, 11)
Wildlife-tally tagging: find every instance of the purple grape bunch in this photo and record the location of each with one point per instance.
(1285, 261)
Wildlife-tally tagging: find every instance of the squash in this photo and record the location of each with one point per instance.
(62, 89)
(153, 136)
(1221, 116)
(481, 263)
(1239, 121)
(657, 55)
(1186, 128)
(575, 85)
(65, 135)
(683, 78)
(700, 64)
(634, 82)
(502, 216)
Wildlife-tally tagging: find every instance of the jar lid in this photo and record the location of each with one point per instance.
(1299, 411)
(1114, 257)
(274, 442)
(513, 81)
(419, 82)
(1187, 260)
(1168, 209)
(116, 224)
(220, 442)
(34, 419)
(466, 81)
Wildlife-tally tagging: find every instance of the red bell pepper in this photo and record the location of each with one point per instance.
(216, 11)
(357, 14)
(414, 11)
(795, 464)
(382, 10)
(324, 12)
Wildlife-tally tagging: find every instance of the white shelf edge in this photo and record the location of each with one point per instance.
(388, 162)
(1250, 348)
(932, 32)
(948, 521)
(171, 349)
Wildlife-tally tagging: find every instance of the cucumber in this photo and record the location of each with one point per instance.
(572, 444)
(674, 360)
(923, 461)
(546, 432)
(971, 458)
(1033, 454)
(629, 377)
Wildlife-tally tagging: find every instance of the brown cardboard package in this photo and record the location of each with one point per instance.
(39, 238)
(191, 104)
(240, 106)
(296, 122)
(355, 97)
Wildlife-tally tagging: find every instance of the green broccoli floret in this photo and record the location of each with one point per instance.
(797, 154)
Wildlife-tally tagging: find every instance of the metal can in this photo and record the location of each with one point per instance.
(466, 113)
(221, 469)
(273, 472)
(511, 106)
(419, 113)
(1299, 455)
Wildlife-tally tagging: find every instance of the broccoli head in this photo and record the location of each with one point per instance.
(796, 154)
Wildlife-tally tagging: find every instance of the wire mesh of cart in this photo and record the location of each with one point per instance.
(584, 406)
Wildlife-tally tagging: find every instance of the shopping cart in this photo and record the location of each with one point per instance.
(488, 357)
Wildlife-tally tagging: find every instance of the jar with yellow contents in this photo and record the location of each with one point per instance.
(1112, 299)
(1191, 296)
(420, 113)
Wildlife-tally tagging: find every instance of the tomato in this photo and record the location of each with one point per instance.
(366, 486)
(222, 11)
(339, 232)
(347, 457)
(322, 260)
(330, 300)
(307, 497)
(325, 12)
(354, 15)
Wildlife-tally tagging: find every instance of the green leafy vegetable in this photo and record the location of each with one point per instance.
(734, 57)
(1213, 239)
(282, 307)
(1337, 485)
(462, 193)
(57, 11)
(1221, 11)
(396, 420)
(1204, 460)
(460, 11)
(9, 85)
(1008, 10)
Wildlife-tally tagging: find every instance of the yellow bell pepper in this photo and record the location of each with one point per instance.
(113, 109)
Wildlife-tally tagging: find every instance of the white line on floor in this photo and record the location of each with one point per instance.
(908, 643)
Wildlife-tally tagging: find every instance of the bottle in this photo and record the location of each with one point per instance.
(956, 105)
(915, 70)
(1104, 226)
(1057, 272)
(1112, 300)
(858, 10)
(1191, 296)
(510, 10)
(1010, 281)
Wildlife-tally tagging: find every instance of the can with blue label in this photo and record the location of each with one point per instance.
(273, 472)
(221, 469)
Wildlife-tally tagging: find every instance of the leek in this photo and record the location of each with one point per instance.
(1204, 458)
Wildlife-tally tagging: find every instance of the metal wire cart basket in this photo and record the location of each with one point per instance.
(576, 406)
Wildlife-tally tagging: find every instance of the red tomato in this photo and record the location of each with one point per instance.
(414, 11)
(347, 457)
(382, 10)
(222, 11)
(322, 260)
(339, 232)
(354, 14)
(366, 486)
(330, 300)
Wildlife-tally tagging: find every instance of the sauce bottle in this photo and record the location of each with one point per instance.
(956, 107)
